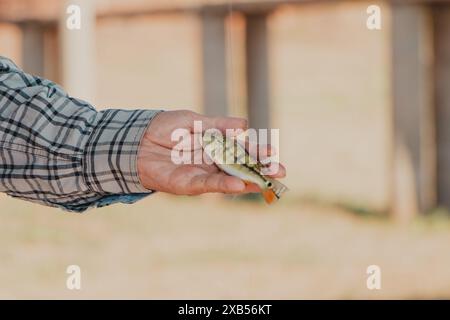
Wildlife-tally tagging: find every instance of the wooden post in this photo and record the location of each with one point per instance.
(52, 63)
(33, 48)
(257, 70)
(78, 51)
(215, 96)
(414, 154)
(442, 72)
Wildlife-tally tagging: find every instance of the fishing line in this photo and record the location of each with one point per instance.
(230, 52)
(234, 100)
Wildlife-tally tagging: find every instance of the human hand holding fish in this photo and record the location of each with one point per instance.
(159, 172)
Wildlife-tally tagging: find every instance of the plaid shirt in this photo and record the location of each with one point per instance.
(61, 152)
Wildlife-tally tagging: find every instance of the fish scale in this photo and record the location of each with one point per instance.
(221, 150)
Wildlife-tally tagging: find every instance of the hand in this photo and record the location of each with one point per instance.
(158, 172)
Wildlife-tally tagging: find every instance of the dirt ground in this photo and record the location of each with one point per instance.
(167, 247)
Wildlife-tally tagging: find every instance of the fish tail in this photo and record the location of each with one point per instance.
(274, 192)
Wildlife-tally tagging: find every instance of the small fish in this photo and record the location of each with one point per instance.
(233, 159)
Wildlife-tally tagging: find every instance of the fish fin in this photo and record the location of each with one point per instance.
(269, 196)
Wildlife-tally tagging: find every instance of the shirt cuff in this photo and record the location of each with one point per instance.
(110, 154)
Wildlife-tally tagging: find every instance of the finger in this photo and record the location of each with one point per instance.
(223, 123)
(218, 182)
(252, 188)
(274, 170)
(167, 128)
(266, 150)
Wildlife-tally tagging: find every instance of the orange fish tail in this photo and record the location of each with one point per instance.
(269, 196)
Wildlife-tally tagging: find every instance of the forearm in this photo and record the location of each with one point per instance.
(60, 151)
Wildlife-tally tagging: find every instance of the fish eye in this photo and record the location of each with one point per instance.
(269, 184)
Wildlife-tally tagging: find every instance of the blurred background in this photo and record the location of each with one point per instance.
(363, 133)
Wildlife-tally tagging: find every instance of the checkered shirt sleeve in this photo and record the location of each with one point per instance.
(59, 151)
